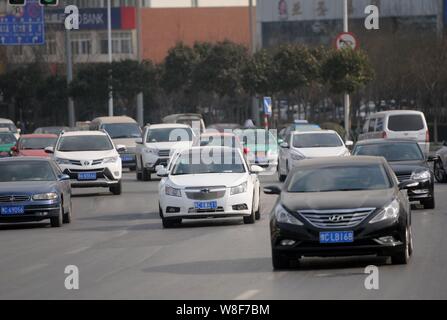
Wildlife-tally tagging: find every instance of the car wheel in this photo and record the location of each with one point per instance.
(403, 257)
(57, 222)
(429, 204)
(116, 189)
(281, 177)
(440, 174)
(252, 217)
(160, 211)
(280, 260)
(146, 175)
(67, 215)
(258, 212)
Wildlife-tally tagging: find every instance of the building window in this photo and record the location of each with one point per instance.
(51, 46)
(81, 44)
(121, 43)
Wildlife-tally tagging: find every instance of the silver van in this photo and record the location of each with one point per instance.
(398, 124)
(123, 130)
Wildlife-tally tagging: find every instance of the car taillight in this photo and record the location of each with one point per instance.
(384, 135)
(427, 136)
(246, 150)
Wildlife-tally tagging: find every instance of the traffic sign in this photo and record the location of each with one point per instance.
(23, 25)
(49, 2)
(268, 106)
(346, 40)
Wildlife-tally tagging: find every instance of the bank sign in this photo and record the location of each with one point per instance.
(96, 18)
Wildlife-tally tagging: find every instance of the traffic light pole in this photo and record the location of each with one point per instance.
(346, 95)
(109, 36)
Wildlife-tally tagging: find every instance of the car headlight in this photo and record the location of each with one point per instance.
(45, 196)
(283, 216)
(420, 175)
(171, 191)
(151, 151)
(62, 161)
(239, 189)
(297, 156)
(110, 160)
(389, 212)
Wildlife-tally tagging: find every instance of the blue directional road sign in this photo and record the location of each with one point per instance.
(268, 106)
(23, 25)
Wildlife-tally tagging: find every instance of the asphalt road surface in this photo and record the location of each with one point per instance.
(122, 252)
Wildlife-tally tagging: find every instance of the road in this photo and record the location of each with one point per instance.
(122, 252)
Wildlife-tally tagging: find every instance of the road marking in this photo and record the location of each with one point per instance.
(75, 251)
(33, 268)
(247, 295)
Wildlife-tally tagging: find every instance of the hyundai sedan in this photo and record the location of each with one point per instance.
(341, 207)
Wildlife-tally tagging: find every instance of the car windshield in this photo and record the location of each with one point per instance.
(36, 143)
(85, 143)
(169, 135)
(391, 152)
(306, 127)
(122, 130)
(26, 171)
(406, 122)
(7, 138)
(220, 141)
(10, 126)
(51, 130)
(318, 140)
(208, 162)
(337, 178)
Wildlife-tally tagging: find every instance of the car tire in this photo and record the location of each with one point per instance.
(57, 222)
(440, 174)
(139, 175)
(281, 177)
(403, 257)
(146, 175)
(258, 212)
(429, 204)
(280, 260)
(160, 211)
(67, 215)
(116, 189)
(252, 217)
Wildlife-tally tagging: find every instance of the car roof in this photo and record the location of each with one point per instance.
(313, 132)
(341, 161)
(117, 119)
(39, 135)
(3, 120)
(218, 134)
(84, 133)
(385, 141)
(395, 112)
(168, 126)
(211, 148)
(23, 159)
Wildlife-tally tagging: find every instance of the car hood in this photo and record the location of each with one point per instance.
(408, 166)
(337, 200)
(86, 155)
(169, 145)
(33, 153)
(322, 152)
(208, 180)
(28, 187)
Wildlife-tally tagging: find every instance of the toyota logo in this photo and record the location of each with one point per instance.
(86, 163)
(336, 218)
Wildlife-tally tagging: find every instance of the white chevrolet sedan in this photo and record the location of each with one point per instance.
(209, 182)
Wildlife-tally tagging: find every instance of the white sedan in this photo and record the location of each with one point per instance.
(308, 145)
(209, 182)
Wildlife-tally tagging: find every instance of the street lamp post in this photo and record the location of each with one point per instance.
(346, 95)
(140, 102)
(109, 36)
(69, 62)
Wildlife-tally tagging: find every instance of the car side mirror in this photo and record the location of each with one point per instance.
(256, 169)
(121, 148)
(284, 145)
(49, 149)
(349, 143)
(272, 190)
(432, 158)
(64, 177)
(407, 184)
(162, 172)
(139, 141)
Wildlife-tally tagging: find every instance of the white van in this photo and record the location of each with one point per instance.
(399, 124)
(10, 126)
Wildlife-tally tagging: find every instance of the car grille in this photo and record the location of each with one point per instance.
(14, 198)
(205, 193)
(343, 218)
(403, 177)
(79, 163)
(164, 153)
(217, 210)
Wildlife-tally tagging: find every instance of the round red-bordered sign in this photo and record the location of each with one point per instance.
(346, 40)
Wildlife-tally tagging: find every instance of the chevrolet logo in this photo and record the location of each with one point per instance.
(205, 190)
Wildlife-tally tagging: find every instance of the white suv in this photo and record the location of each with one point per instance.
(90, 159)
(159, 143)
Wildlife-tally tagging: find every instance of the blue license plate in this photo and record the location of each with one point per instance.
(337, 237)
(87, 176)
(205, 205)
(12, 210)
(127, 158)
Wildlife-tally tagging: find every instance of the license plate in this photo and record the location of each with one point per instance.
(337, 237)
(13, 210)
(87, 176)
(205, 205)
(126, 158)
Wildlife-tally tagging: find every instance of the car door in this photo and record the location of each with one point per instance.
(65, 186)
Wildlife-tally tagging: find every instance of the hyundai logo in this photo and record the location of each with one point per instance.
(336, 218)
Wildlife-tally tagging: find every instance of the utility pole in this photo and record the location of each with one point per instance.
(346, 95)
(109, 35)
(254, 102)
(69, 62)
(140, 101)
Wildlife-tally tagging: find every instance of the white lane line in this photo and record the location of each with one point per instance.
(75, 251)
(247, 295)
(33, 268)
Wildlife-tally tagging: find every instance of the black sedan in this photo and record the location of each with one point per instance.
(408, 163)
(34, 189)
(341, 207)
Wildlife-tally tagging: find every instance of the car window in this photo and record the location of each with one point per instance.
(26, 171)
(122, 130)
(319, 140)
(169, 135)
(36, 143)
(7, 138)
(85, 143)
(391, 152)
(219, 141)
(10, 126)
(379, 124)
(406, 122)
(338, 178)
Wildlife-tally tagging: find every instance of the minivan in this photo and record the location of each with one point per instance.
(123, 130)
(194, 120)
(398, 124)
